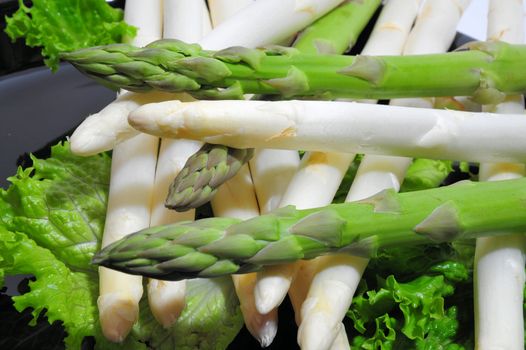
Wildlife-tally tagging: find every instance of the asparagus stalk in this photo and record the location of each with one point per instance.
(182, 19)
(337, 31)
(220, 10)
(220, 246)
(202, 174)
(271, 21)
(129, 198)
(346, 127)
(485, 71)
(499, 264)
(110, 125)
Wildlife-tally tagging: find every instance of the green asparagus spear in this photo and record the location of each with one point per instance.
(203, 173)
(487, 71)
(333, 33)
(338, 30)
(218, 246)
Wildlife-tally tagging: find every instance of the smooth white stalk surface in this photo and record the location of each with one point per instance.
(183, 20)
(499, 263)
(392, 28)
(346, 127)
(207, 21)
(129, 197)
(270, 21)
(220, 10)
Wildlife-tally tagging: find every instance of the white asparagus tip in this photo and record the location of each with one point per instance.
(267, 328)
(117, 314)
(270, 292)
(166, 300)
(317, 332)
(141, 118)
(85, 142)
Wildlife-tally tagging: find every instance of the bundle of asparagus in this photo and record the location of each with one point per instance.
(486, 71)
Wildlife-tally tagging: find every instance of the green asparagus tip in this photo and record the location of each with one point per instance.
(219, 246)
(206, 170)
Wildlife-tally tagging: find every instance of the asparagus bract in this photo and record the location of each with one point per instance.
(203, 173)
(219, 246)
(486, 71)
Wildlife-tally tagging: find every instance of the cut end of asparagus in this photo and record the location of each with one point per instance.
(166, 300)
(272, 286)
(317, 332)
(117, 314)
(203, 173)
(265, 329)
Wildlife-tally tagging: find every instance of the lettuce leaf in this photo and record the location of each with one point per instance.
(51, 221)
(210, 320)
(423, 307)
(60, 203)
(65, 25)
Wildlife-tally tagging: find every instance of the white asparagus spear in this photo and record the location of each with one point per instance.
(183, 19)
(110, 125)
(331, 276)
(314, 184)
(271, 171)
(207, 20)
(346, 127)
(276, 20)
(129, 197)
(499, 264)
(261, 23)
(236, 198)
(220, 10)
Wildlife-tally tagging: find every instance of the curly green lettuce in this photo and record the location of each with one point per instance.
(65, 25)
(426, 306)
(51, 221)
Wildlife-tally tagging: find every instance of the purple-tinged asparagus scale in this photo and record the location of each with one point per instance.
(220, 246)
